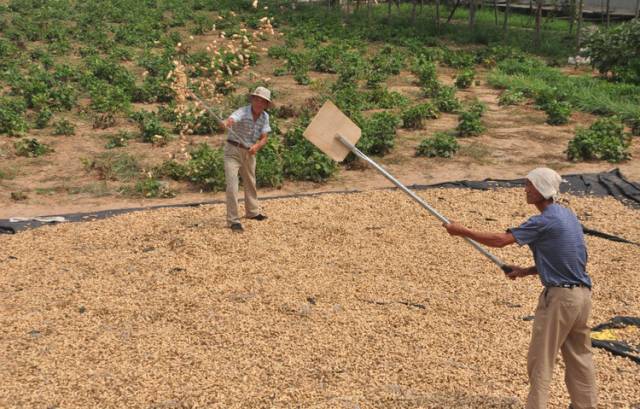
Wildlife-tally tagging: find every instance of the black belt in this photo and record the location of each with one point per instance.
(569, 285)
(234, 143)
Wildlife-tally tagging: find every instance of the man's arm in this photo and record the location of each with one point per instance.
(486, 238)
(521, 272)
(227, 123)
(258, 145)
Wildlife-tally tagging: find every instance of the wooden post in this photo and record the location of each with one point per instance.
(505, 22)
(538, 21)
(472, 13)
(579, 28)
(572, 17)
(413, 11)
(608, 13)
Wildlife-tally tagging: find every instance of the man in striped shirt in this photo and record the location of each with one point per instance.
(248, 129)
(556, 239)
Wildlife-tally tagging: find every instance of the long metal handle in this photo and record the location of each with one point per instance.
(420, 201)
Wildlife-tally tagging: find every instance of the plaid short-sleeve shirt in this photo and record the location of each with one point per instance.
(245, 130)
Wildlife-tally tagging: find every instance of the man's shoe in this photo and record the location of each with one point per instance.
(236, 228)
(259, 217)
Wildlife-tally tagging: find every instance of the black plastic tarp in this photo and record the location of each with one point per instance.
(618, 347)
(610, 183)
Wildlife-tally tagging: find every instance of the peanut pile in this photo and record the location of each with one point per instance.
(336, 301)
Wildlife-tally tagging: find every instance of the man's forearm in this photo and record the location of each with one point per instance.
(490, 239)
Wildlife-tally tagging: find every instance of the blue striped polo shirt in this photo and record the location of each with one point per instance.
(556, 239)
(246, 131)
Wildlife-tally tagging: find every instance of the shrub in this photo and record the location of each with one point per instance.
(413, 117)
(388, 61)
(604, 140)
(380, 97)
(446, 100)
(171, 169)
(441, 144)
(634, 123)
(302, 160)
(458, 59)
(113, 166)
(148, 188)
(558, 112)
(64, 127)
(548, 95)
(119, 140)
(42, 118)
(616, 50)
(11, 116)
(427, 77)
(469, 122)
(378, 133)
(269, 164)
(302, 78)
(31, 148)
(194, 121)
(151, 130)
(510, 97)
(206, 167)
(465, 78)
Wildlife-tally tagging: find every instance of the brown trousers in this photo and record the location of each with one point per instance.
(561, 324)
(238, 160)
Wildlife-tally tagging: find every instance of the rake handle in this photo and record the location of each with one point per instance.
(506, 269)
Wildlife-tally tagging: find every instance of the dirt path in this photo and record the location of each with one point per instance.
(517, 139)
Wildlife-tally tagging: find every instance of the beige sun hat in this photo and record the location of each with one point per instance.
(263, 93)
(546, 181)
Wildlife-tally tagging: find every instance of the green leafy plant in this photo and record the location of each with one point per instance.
(441, 144)
(425, 70)
(30, 147)
(381, 97)
(113, 166)
(615, 50)
(64, 127)
(120, 140)
(148, 188)
(42, 118)
(151, 129)
(634, 123)
(171, 169)
(12, 121)
(604, 140)
(414, 116)
(558, 112)
(269, 164)
(510, 97)
(470, 121)
(206, 167)
(446, 101)
(302, 160)
(378, 133)
(464, 79)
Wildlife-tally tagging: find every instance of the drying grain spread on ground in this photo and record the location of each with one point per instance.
(337, 301)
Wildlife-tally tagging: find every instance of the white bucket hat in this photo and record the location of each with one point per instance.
(546, 181)
(263, 93)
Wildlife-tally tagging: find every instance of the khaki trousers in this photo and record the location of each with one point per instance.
(238, 160)
(561, 324)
